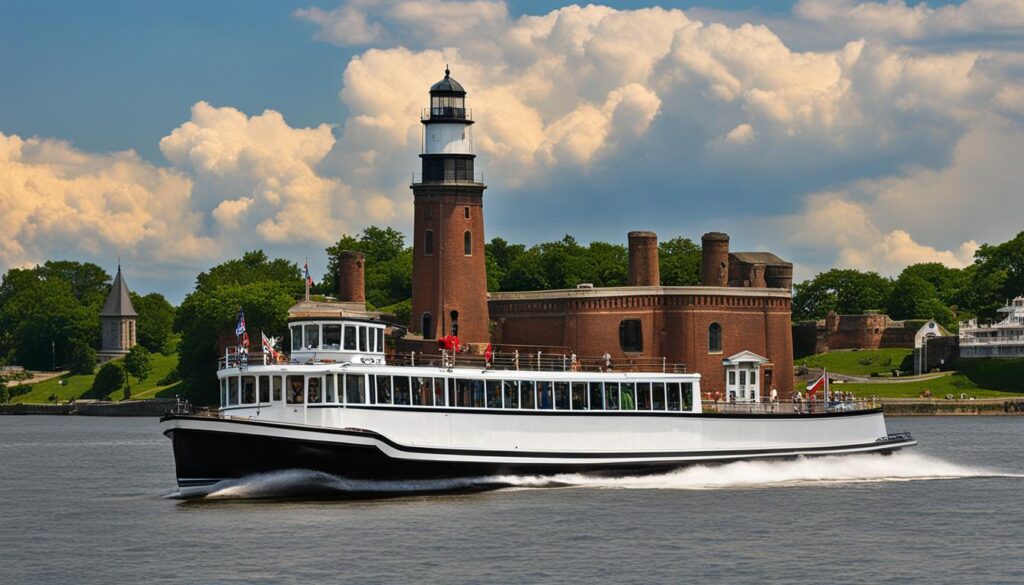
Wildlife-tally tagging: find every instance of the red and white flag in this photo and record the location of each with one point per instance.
(268, 348)
(820, 384)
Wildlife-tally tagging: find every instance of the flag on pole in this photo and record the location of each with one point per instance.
(240, 326)
(820, 384)
(268, 348)
(305, 272)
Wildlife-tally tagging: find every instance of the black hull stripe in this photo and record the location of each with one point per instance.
(877, 445)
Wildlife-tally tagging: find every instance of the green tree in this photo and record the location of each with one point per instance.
(109, 379)
(82, 359)
(89, 283)
(155, 323)
(139, 364)
(998, 274)
(388, 268)
(679, 260)
(41, 320)
(252, 267)
(845, 291)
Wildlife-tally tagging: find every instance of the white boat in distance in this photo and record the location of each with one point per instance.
(336, 405)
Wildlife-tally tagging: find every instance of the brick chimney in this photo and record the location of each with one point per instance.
(350, 277)
(643, 259)
(714, 269)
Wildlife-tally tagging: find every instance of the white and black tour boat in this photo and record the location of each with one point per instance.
(338, 405)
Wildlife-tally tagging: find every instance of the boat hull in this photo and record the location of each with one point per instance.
(209, 450)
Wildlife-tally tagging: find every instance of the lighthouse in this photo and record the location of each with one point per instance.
(449, 274)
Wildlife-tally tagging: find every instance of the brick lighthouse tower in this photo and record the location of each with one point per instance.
(449, 274)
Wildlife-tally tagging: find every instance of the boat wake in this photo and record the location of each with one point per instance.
(822, 471)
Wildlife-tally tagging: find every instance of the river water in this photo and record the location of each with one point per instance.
(89, 500)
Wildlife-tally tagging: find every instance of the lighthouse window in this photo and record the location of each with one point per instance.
(562, 395)
(350, 338)
(631, 335)
(332, 336)
(493, 393)
(579, 396)
(428, 243)
(355, 389)
(714, 338)
(296, 337)
(611, 396)
(658, 396)
(643, 396)
(526, 395)
(467, 244)
(511, 394)
(596, 396)
(312, 336)
(401, 384)
(465, 212)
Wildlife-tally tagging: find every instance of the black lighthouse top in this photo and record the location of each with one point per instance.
(447, 86)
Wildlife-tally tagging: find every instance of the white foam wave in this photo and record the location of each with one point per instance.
(744, 474)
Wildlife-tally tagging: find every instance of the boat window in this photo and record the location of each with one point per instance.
(579, 396)
(296, 337)
(233, 390)
(611, 395)
(631, 335)
(628, 394)
(672, 389)
(362, 339)
(526, 395)
(714, 337)
(596, 396)
(295, 392)
(421, 391)
(659, 396)
(332, 336)
(439, 392)
(223, 391)
(494, 394)
(355, 390)
(371, 389)
(687, 396)
(401, 384)
(312, 339)
(264, 388)
(511, 394)
(562, 395)
(350, 338)
(643, 396)
(370, 334)
(478, 393)
(380, 340)
(329, 393)
(314, 396)
(463, 393)
(383, 389)
(278, 383)
(544, 395)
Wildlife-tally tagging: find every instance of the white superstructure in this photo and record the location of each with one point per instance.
(1003, 339)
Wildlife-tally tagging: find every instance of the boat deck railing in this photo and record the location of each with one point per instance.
(789, 407)
(539, 361)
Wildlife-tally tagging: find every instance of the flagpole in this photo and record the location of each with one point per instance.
(306, 278)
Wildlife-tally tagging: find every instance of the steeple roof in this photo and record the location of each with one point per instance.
(119, 302)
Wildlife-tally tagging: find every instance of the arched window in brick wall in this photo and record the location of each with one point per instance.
(467, 243)
(714, 338)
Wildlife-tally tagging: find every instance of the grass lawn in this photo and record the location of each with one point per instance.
(78, 386)
(954, 384)
(857, 363)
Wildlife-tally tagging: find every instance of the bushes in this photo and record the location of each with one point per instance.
(82, 359)
(110, 379)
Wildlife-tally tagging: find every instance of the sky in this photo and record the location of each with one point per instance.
(836, 133)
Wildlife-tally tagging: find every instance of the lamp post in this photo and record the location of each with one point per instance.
(53, 355)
